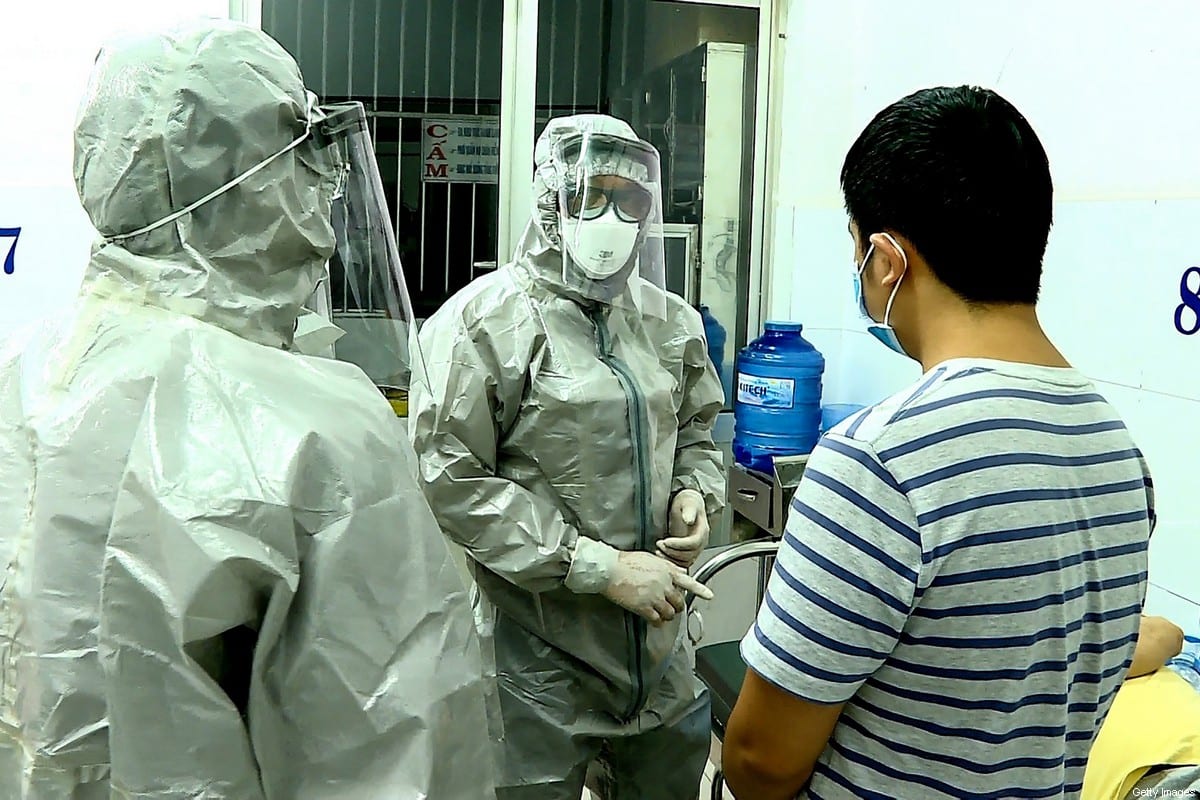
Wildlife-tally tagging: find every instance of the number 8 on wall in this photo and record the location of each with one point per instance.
(1187, 313)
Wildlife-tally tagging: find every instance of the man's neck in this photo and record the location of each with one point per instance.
(1002, 333)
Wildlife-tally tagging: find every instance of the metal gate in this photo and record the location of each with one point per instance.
(406, 62)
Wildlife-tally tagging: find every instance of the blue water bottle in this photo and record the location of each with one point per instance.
(1187, 663)
(777, 410)
(714, 333)
(833, 414)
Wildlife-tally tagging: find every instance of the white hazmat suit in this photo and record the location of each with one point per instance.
(566, 413)
(218, 577)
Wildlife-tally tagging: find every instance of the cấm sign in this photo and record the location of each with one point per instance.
(461, 150)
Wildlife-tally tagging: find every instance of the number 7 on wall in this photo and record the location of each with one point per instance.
(14, 234)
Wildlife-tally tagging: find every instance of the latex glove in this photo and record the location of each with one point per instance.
(687, 529)
(640, 582)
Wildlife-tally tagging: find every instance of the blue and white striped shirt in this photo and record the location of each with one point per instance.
(964, 568)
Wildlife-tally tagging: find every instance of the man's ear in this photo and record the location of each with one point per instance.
(890, 258)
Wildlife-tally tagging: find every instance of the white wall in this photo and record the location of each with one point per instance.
(1110, 87)
(47, 53)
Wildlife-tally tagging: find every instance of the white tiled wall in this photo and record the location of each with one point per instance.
(1168, 431)
(1127, 187)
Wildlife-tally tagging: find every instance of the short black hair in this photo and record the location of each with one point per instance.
(960, 173)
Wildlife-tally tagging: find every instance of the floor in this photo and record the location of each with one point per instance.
(706, 784)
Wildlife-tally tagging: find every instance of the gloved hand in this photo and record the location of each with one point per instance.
(688, 529)
(651, 587)
(641, 582)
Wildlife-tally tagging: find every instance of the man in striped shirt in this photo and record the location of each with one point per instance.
(958, 595)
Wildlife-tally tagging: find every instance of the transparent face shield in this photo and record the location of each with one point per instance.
(610, 221)
(364, 293)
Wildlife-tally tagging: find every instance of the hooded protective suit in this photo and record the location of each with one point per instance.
(218, 577)
(529, 443)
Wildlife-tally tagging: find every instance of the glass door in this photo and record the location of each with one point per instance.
(685, 76)
(457, 91)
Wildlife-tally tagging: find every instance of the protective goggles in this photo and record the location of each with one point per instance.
(631, 202)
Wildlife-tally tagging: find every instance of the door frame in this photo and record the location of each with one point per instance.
(518, 99)
(247, 11)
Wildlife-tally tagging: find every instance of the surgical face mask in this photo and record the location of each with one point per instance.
(600, 247)
(882, 331)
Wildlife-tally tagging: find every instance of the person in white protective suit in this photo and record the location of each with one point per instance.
(218, 576)
(565, 441)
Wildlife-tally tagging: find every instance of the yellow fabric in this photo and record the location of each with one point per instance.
(1154, 720)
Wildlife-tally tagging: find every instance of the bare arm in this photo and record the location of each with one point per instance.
(774, 741)
(1159, 640)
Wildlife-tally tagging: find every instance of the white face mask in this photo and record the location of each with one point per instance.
(600, 247)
